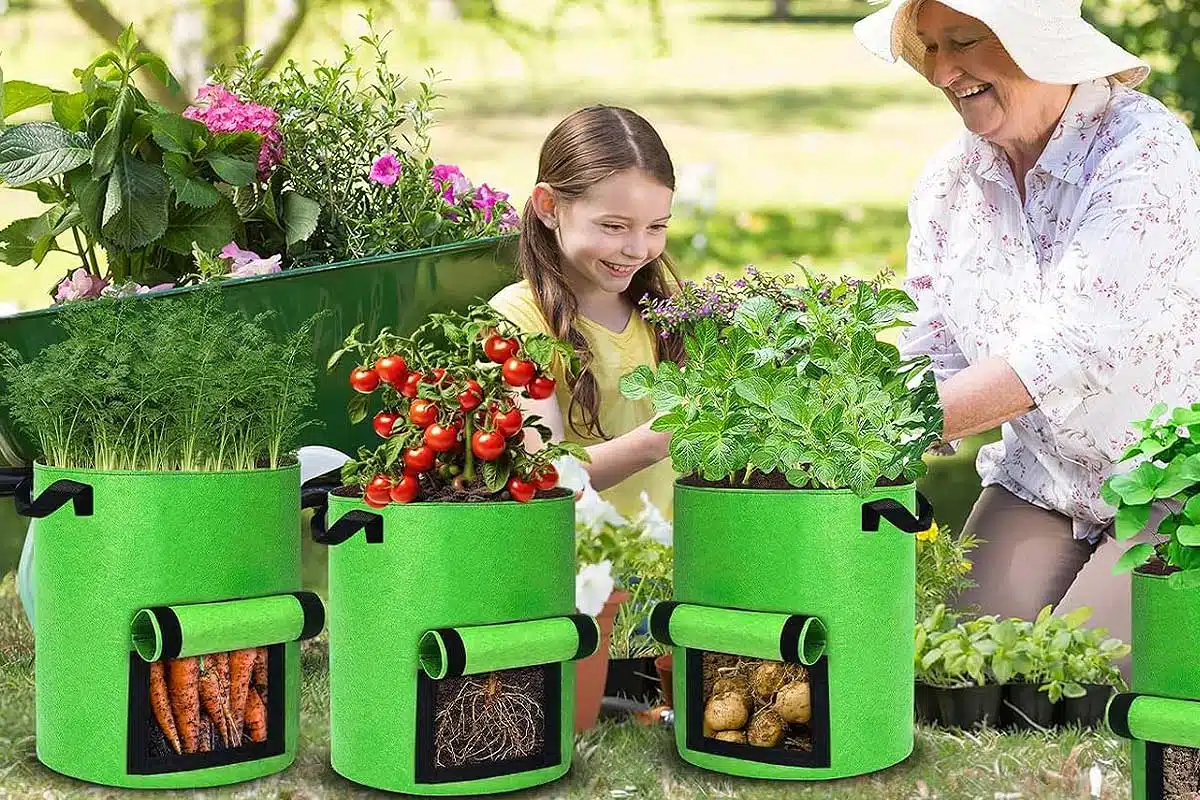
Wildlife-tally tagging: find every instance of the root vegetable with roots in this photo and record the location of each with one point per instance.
(491, 718)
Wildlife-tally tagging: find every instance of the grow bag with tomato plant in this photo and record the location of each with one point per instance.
(204, 688)
(464, 569)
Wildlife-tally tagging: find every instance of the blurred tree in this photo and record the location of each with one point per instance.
(781, 9)
(1166, 33)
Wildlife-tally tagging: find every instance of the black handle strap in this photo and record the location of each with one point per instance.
(351, 523)
(53, 497)
(11, 479)
(898, 515)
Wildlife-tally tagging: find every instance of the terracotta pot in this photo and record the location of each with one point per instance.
(591, 672)
(663, 663)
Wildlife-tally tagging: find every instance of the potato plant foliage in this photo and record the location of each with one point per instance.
(791, 380)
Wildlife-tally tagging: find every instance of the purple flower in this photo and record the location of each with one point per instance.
(79, 285)
(486, 199)
(449, 180)
(509, 220)
(247, 263)
(386, 169)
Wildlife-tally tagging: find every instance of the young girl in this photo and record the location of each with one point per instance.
(593, 239)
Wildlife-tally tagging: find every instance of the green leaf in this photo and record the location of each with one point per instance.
(1131, 520)
(190, 189)
(41, 247)
(38, 150)
(495, 474)
(112, 141)
(2, 100)
(638, 384)
(70, 109)
(16, 246)
(667, 395)
(233, 171)
(1181, 473)
(756, 314)
(17, 96)
(90, 196)
(135, 204)
(158, 68)
(791, 407)
(1133, 558)
(177, 134)
(667, 422)
(210, 228)
(428, 222)
(357, 407)
(722, 455)
(1188, 535)
(702, 341)
(300, 217)
(686, 451)
(754, 390)
(1137, 486)
(127, 42)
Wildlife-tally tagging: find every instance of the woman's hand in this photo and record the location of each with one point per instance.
(982, 397)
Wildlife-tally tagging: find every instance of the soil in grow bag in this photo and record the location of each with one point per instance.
(758, 709)
(1172, 772)
(490, 724)
(205, 711)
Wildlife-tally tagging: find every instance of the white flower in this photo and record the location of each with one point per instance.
(571, 473)
(654, 524)
(592, 511)
(593, 585)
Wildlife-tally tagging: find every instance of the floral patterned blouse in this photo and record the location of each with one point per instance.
(1090, 289)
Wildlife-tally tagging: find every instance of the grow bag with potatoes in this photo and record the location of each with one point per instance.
(482, 597)
(220, 548)
(836, 572)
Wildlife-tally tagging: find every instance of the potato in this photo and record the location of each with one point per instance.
(768, 677)
(731, 736)
(794, 703)
(726, 712)
(766, 729)
(731, 684)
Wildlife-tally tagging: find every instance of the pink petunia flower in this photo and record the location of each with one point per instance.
(449, 180)
(225, 112)
(486, 199)
(79, 285)
(247, 263)
(386, 169)
(509, 220)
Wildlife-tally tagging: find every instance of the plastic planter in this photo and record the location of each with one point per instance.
(139, 573)
(1162, 710)
(434, 605)
(820, 582)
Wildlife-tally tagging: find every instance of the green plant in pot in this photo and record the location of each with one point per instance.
(954, 662)
(464, 571)
(1160, 474)
(166, 585)
(798, 435)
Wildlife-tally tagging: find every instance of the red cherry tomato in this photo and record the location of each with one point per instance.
(374, 502)
(521, 490)
(405, 490)
(441, 439)
(364, 380)
(418, 459)
(412, 382)
(422, 412)
(378, 489)
(383, 422)
(508, 422)
(488, 445)
(392, 369)
(498, 349)
(435, 376)
(518, 372)
(470, 398)
(547, 478)
(540, 387)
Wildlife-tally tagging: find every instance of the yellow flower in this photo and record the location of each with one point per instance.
(966, 565)
(929, 534)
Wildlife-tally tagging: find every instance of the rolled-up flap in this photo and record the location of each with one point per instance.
(470, 650)
(794, 638)
(166, 632)
(1146, 718)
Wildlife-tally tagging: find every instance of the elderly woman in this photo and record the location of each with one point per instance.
(1053, 257)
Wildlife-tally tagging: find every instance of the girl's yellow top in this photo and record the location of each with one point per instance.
(614, 355)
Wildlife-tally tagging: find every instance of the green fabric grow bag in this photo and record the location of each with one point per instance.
(1165, 646)
(113, 544)
(497, 576)
(823, 577)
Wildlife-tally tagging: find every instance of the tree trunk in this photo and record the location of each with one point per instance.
(781, 9)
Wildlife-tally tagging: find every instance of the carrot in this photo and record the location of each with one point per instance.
(260, 671)
(210, 696)
(221, 664)
(256, 718)
(206, 729)
(241, 663)
(161, 706)
(184, 691)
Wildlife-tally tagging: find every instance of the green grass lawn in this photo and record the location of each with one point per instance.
(618, 759)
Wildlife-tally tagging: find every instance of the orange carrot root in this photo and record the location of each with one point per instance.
(184, 690)
(161, 705)
(256, 718)
(210, 696)
(241, 664)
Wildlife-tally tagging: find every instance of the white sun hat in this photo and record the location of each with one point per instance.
(1048, 39)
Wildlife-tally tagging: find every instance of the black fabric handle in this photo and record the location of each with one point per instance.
(316, 496)
(53, 497)
(11, 479)
(351, 523)
(898, 515)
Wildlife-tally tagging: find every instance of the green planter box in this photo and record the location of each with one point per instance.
(1161, 714)
(141, 574)
(433, 609)
(394, 290)
(816, 582)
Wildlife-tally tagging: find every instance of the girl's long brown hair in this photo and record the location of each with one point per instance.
(582, 150)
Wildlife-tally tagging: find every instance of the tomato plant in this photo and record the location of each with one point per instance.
(448, 410)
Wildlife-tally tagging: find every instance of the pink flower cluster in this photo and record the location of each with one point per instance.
(225, 112)
(454, 187)
(79, 285)
(247, 263)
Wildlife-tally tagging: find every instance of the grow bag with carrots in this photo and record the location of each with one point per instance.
(169, 613)
(791, 625)
(1161, 714)
(436, 609)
